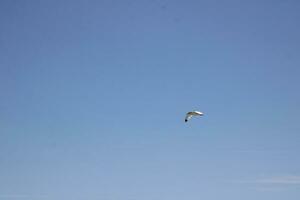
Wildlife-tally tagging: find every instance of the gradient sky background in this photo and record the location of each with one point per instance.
(94, 95)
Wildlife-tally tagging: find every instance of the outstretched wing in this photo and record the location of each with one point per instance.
(187, 117)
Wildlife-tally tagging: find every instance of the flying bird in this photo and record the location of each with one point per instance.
(189, 115)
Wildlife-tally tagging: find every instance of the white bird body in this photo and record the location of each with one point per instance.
(189, 115)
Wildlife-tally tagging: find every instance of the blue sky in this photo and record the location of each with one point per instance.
(94, 94)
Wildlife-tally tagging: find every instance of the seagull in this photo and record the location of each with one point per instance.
(189, 115)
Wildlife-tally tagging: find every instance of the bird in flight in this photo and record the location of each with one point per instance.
(189, 115)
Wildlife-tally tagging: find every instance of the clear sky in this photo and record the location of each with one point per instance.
(94, 95)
